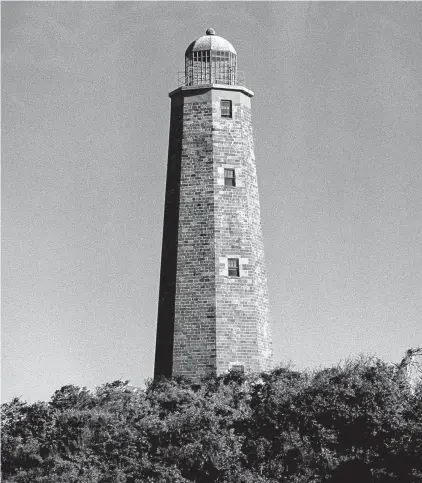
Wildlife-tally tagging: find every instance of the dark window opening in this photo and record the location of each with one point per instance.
(226, 108)
(233, 266)
(229, 177)
(238, 368)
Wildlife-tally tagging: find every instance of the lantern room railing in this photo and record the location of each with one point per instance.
(234, 79)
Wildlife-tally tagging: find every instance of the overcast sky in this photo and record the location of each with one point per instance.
(337, 119)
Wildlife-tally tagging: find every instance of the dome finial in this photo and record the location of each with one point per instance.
(210, 32)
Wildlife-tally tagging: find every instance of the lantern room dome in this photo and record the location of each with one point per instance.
(210, 60)
(210, 41)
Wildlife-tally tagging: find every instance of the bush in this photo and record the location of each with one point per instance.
(359, 421)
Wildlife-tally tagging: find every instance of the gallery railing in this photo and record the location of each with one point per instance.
(222, 78)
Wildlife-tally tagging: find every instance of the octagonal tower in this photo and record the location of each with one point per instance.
(213, 310)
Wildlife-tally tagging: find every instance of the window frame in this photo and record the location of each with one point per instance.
(226, 103)
(238, 368)
(230, 180)
(233, 272)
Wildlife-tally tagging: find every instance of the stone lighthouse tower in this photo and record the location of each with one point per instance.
(213, 310)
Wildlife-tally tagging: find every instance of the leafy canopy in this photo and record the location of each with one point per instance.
(358, 421)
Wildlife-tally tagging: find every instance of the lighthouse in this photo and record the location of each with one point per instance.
(213, 308)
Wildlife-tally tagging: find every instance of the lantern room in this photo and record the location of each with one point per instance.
(210, 60)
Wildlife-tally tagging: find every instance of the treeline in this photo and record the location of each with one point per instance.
(358, 422)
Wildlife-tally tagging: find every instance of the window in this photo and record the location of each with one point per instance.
(238, 368)
(233, 265)
(226, 108)
(229, 177)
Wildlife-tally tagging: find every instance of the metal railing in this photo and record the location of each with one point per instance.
(184, 79)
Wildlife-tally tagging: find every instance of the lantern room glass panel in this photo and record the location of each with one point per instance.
(210, 67)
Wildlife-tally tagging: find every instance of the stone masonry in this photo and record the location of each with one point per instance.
(209, 321)
(242, 305)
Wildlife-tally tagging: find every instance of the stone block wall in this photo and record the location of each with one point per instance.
(166, 303)
(243, 318)
(210, 320)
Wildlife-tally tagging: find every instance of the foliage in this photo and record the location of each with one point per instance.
(358, 421)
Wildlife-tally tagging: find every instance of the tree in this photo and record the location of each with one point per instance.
(360, 420)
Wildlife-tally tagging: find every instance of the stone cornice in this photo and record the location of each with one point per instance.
(203, 87)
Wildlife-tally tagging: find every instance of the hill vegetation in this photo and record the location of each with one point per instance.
(360, 421)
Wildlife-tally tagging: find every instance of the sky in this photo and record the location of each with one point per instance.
(337, 117)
